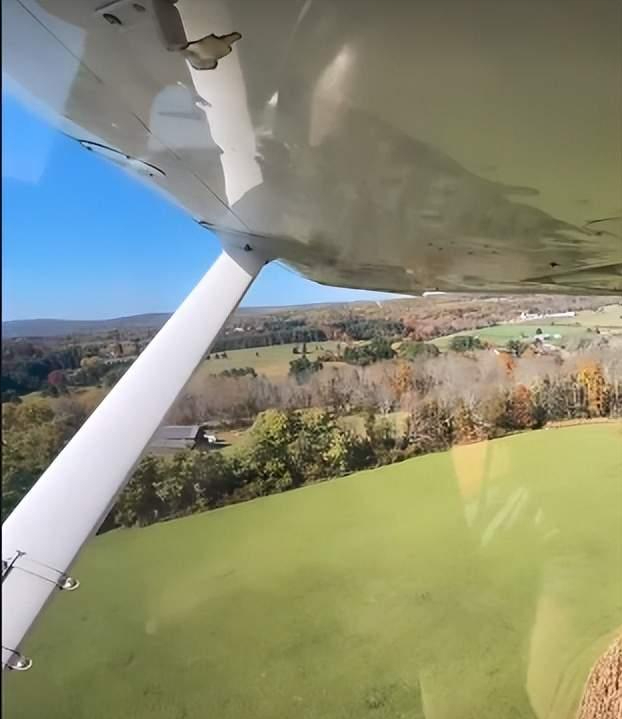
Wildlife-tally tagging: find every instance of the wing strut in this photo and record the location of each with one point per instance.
(45, 532)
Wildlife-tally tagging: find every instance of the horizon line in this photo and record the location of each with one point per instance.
(245, 307)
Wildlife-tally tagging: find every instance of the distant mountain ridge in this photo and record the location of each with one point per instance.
(13, 329)
(57, 328)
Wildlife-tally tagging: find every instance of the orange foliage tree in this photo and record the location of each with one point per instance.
(402, 379)
(593, 381)
(520, 408)
(468, 426)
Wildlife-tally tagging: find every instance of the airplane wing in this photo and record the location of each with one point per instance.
(404, 146)
(424, 146)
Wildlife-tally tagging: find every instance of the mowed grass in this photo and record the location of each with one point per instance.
(477, 583)
(608, 316)
(272, 361)
(500, 334)
(569, 328)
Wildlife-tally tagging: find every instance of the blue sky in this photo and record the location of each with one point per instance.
(82, 240)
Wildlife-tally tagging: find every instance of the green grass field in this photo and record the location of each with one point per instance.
(473, 584)
(569, 328)
(608, 316)
(272, 361)
(500, 334)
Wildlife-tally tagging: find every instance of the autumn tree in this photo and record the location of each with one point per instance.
(31, 439)
(468, 425)
(464, 343)
(302, 368)
(592, 379)
(56, 378)
(520, 410)
(402, 379)
(421, 350)
(432, 427)
(139, 503)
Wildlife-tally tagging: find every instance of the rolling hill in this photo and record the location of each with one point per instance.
(477, 583)
(59, 328)
(12, 329)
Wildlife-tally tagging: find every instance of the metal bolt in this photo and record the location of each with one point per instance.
(20, 664)
(68, 584)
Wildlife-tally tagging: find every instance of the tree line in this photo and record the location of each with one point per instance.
(299, 434)
(286, 449)
(28, 364)
(28, 367)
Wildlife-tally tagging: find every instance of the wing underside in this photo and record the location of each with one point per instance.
(445, 146)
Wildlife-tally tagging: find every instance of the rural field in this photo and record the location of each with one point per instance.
(569, 328)
(607, 316)
(272, 361)
(472, 584)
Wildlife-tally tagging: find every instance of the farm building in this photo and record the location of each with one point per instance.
(173, 438)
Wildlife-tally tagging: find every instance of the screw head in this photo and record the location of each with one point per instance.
(20, 663)
(68, 584)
